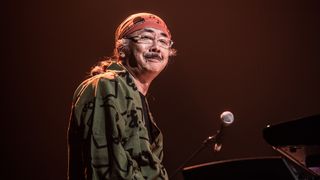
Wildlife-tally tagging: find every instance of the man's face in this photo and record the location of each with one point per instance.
(149, 51)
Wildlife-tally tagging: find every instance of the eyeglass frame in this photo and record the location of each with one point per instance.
(134, 38)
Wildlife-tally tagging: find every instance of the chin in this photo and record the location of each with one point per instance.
(154, 69)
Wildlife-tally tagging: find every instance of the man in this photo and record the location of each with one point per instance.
(112, 134)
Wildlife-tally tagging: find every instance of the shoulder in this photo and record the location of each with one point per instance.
(115, 82)
(90, 86)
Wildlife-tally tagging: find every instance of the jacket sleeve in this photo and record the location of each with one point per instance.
(95, 136)
(75, 151)
(80, 111)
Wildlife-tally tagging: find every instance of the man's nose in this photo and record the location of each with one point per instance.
(155, 46)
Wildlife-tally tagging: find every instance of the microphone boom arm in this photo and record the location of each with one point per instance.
(211, 140)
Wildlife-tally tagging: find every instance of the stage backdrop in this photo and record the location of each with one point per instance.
(258, 59)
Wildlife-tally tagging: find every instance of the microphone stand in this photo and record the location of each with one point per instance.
(211, 140)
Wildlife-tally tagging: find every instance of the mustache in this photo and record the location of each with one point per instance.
(153, 55)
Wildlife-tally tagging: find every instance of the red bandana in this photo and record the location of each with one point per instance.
(139, 21)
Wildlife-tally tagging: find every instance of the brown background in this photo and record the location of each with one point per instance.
(258, 59)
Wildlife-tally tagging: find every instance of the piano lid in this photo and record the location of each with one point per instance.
(304, 131)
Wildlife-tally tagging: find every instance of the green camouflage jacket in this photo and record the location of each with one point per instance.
(107, 137)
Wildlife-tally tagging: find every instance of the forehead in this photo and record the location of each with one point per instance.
(150, 30)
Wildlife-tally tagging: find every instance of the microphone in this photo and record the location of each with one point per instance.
(227, 119)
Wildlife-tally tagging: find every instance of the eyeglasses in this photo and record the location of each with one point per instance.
(149, 39)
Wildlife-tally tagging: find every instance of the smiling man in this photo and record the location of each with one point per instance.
(112, 134)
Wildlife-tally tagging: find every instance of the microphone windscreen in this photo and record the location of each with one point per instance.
(227, 118)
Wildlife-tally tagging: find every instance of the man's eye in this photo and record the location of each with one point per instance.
(164, 41)
(146, 37)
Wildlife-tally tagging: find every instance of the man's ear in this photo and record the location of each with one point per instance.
(122, 50)
(122, 47)
(172, 52)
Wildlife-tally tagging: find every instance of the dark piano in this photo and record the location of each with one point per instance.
(298, 141)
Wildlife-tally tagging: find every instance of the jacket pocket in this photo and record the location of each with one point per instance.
(99, 151)
(100, 141)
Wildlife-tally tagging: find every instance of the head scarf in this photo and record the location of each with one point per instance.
(139, 21)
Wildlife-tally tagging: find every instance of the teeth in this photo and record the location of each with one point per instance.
(154, 57)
